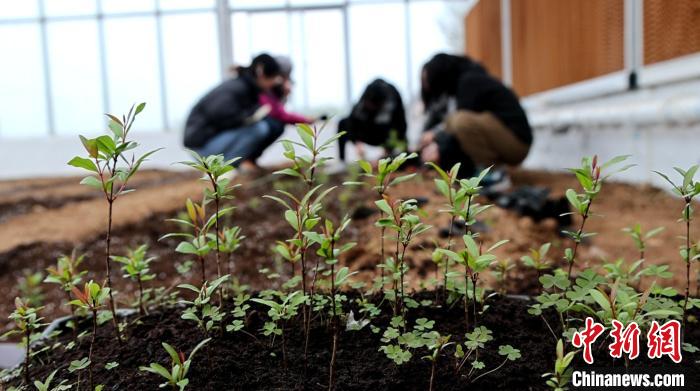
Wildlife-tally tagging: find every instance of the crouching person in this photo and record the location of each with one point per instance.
(378, 119)
(488, 126)
(229, 120)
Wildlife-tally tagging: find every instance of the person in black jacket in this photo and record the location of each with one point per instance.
(377, 119)
(487, 125)
(229, 120)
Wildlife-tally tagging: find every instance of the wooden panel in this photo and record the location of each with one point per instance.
(483, 29)
(559, 42)
(671, 29)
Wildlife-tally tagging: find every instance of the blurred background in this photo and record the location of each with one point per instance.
(596, 76)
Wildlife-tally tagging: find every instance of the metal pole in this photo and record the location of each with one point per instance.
(47, 73)
(161, 68)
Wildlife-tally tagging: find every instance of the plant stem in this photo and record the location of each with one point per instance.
(334, 325)
(201, 264)
(475, 278)
(466, 297)
(112, 308)
(28, 335)
(491, 371)
(142, 311)
(92, 343)
(447, 259)
(687, 268)
(432, 375)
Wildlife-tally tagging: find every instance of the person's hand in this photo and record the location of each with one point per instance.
(426, 139)
(360, 149)
(430, 153)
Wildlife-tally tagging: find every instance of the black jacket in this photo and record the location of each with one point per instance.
(480, 92)
(374, 128)
(225, 107)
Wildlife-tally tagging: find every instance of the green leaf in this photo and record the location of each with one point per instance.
(81, 162)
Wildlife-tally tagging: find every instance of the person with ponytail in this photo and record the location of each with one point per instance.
(473, 118)
(230, 120)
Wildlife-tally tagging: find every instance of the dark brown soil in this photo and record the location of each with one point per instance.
(240, 362)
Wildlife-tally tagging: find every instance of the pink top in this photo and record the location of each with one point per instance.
(278, 112)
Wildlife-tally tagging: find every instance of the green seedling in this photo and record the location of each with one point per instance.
(435, 347)
(398, 346)
(91, 298)
(110, 170)
(66, 274)
(329, 250)
(687, 189)
(180, 364)
(201, 310)
(590, 176)
(30, 288)
(500, 271)
(475, 341)
(197, 242)
(559, 379)
(136, 266)
(475, 261)
(27, 322)
(306, 166)
(46, 384)
(538, 259)
(302, 215)
(402, 219)
(280, 314)
(230, 239)
(640, 238)
(382, 180)
(214, 168)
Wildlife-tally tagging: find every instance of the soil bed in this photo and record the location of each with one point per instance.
(240, 362)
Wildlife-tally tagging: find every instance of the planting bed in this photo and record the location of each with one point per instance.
(241, 361)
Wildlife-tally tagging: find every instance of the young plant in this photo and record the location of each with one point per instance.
(446, 186)
(110, 170)
(30, 288)
(538, 259)
(230, 240)
(280, 313)
(401, 218)
(500, 271)
(383, 179)
(435, 347)
(136, 266)
(214, 168)
(27, 322)
(305, 166)
(91, 298)
(590, 177)
(302, 215)
(180, 364)
(475, 341)
(559, 379)
(66, 274)
(475, 261)
(201, 310)
(197, 242)
(687, 189)
(329, 251)
(640, 238)
(46, 384)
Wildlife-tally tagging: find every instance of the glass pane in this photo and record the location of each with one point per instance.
(22, 101)
(430, 34)
(11, 9)
(76, 84)
(240, 31)
(122, 6)
(131, 81)
(324, 60)
(70, 7)
(378, 52)
(256, 3)
(186, 4)
(191, 62)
